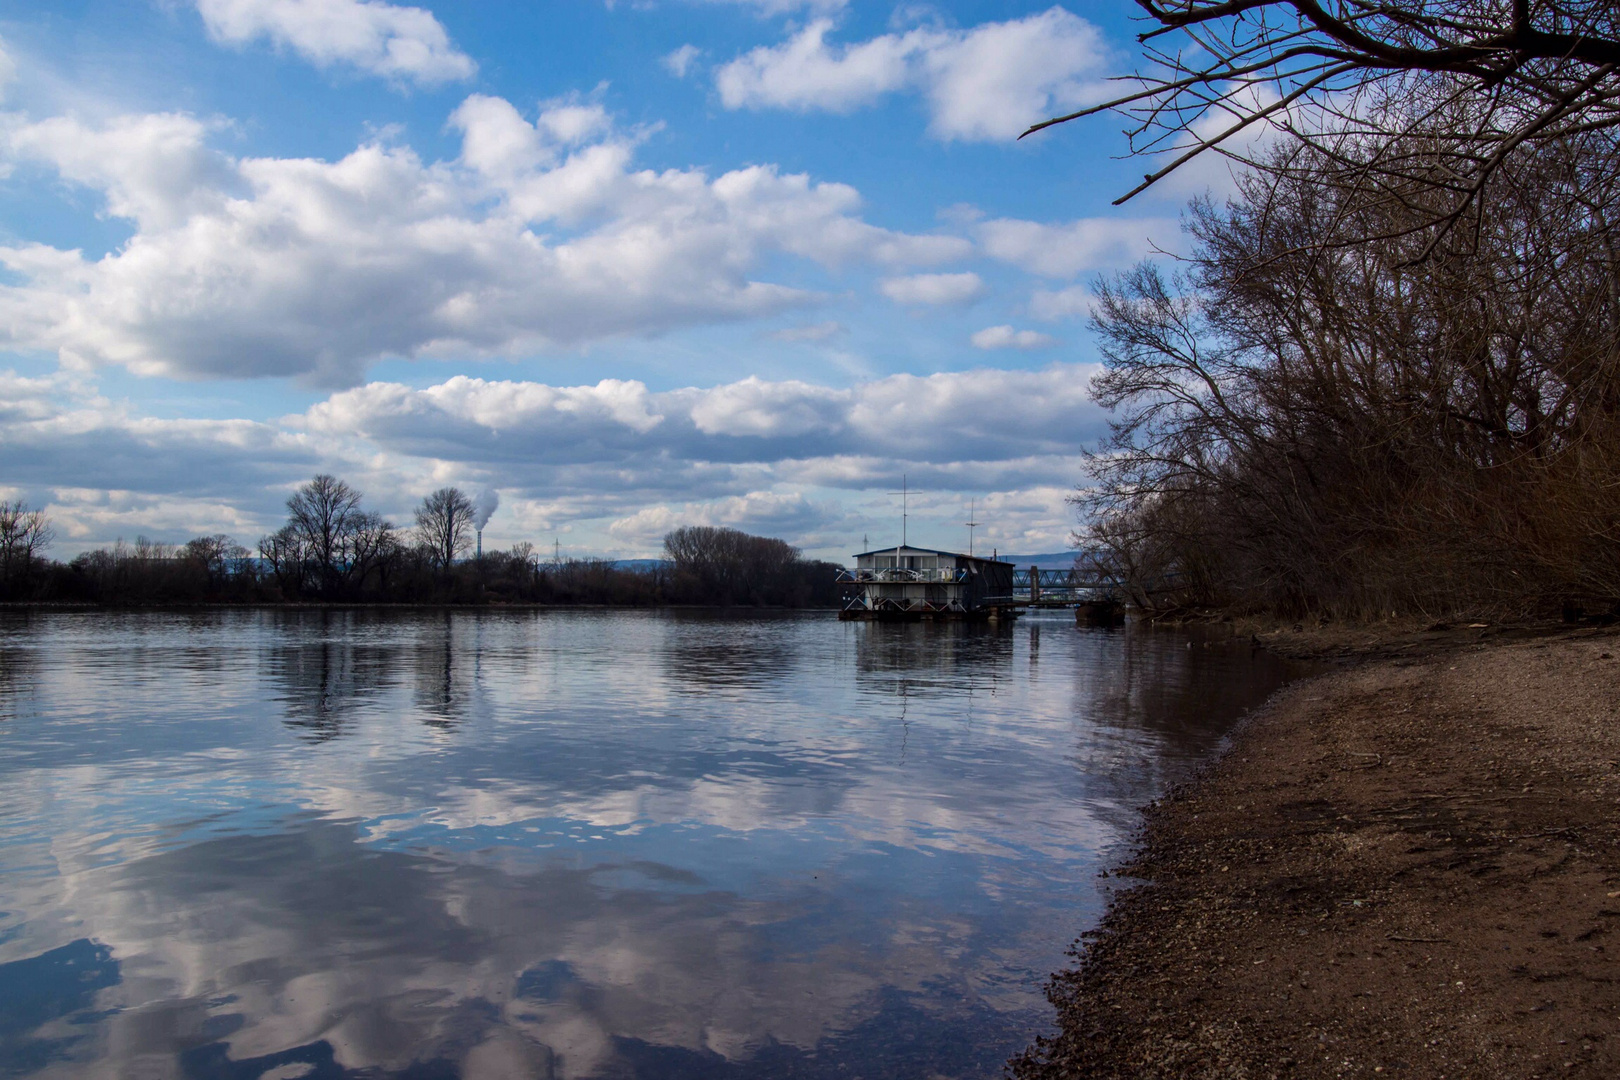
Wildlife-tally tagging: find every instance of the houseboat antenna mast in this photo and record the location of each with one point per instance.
(971, 524)
(903, 493)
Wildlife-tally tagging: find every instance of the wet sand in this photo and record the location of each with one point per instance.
(1407, 868)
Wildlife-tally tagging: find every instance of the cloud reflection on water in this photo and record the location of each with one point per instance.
(572, 844)
(393, 957)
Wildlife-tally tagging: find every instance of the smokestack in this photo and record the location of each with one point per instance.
(480, 545)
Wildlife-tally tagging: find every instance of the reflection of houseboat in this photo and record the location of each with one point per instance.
(904, 583)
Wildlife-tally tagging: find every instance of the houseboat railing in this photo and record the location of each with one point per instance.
(893, 574)
(903, 604)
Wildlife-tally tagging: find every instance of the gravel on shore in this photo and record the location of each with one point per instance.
(1407, 868)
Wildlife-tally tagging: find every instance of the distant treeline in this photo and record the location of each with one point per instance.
(333, 550)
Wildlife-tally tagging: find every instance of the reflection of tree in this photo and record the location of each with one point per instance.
(320, 685)
(1162, 699)
(322, 682)
(703, 652)
(18, 675)
(436, 684)
(1171, 682)
(928, 654)
(930, 660)
(444, 686)
(327, 665)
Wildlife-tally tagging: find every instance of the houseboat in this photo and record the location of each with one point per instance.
(910, 583)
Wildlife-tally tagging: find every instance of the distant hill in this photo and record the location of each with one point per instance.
(1052, 560)
(642, 565)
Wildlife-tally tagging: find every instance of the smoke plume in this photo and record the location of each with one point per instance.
(484, 504)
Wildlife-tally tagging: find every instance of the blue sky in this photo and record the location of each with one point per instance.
(630, 265)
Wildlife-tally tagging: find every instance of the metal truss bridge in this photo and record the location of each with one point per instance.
(1061, 588)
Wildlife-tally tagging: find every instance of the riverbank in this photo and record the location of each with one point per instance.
(1410, 867)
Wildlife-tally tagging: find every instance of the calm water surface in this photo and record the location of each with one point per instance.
(276, 844)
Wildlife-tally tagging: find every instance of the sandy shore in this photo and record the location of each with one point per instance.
(1410, 867)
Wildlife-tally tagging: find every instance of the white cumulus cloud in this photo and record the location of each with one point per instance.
(988, 82)
(806, 73)
(933, 288)
(622, 425)
(154, 169)
(1064, 250)
(614, 460)
(401, 43)
(680, 61)
(1055, 305)
(770, 513)
(1005, 337)
(541, 234)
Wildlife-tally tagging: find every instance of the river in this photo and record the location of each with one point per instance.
(302, 843)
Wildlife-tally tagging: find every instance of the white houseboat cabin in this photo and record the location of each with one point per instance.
(922, 583)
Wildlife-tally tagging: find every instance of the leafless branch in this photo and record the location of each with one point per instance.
(1350, 77)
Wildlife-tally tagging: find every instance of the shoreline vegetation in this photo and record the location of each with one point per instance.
(1407, 866)
(333, 552)
(1381, 376)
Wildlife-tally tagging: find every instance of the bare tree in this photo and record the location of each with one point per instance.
(525, 559)
(444, 525)
(219, 556)
(289, 560)
(329, 542)
(321, 514)
(1357, 79)
(1309, 425)
(24, 533)
(727, 565)
(374, 545)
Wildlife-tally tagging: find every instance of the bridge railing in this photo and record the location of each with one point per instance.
(1087, 584)
(1071, 585)
(1063, 579)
